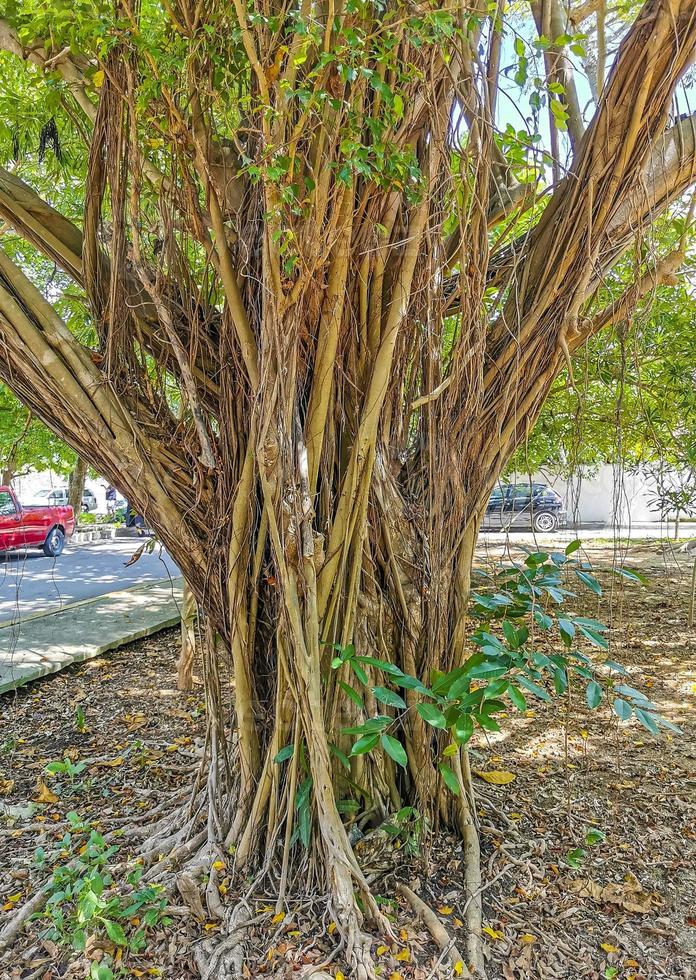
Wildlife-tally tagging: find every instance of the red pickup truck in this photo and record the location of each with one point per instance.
(33, 527)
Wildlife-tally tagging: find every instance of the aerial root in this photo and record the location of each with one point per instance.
(435, 928)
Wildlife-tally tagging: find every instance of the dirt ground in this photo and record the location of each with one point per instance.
(588, 848)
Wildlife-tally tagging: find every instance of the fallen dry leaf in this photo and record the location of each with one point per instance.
(44, 794)
(6, 786)
(629, 895)
(497, 777)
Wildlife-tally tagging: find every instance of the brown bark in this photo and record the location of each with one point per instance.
(76, 486)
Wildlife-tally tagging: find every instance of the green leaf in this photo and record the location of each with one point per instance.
(463, 728)
(542, 620)
(431, 714)
(391, 698)
(593, 837)
(364, 744)
(485, 721)
(115, 932)
(359, 672)
(369, 727)
(517, 698)
(532, 687)
(631, 692)
(381, 665)
(340, 755)
(590, 581)
(567, 628)
(451, 781)
(519, 46)
(510, 633)
(622, 708)
(646, 720)
(595, 638)
(351, 693)
(285, 753)
(593, 694)
(663, 723)
(394, 748)
(560, 681)
(631, 576)
(573, 547)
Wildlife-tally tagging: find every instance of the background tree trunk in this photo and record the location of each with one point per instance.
(76, 486)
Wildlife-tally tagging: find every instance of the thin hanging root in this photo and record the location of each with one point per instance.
(435, 928)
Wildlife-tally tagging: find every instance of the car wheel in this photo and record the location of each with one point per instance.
(54, 543)
(545, 521)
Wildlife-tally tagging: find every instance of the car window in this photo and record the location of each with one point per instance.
(7, 504)
(520, 490)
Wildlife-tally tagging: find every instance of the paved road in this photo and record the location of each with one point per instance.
(639, 530)
(31, 583)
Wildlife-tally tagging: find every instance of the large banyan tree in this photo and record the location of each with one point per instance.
(334, 255)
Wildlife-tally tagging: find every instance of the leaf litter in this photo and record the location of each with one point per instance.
(587, 828)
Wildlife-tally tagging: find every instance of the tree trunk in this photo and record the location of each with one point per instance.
(76, 486)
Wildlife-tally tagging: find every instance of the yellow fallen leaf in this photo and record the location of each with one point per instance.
(331, 928)
(222, 889)
(113, 763)
(445, 910)
(404, 956)
(608, 948)
(381, 950)
(631, 963)
(218, 865)
(528, 938)
(6, 786)
(294, 933)
(278, 917)
(584, 733)
(339, 975)
(98, 78)
(395, 976)
(14, 898)
(458, 923)
(497, 777)
(493, 933)
(403, 934)
(458, 968)
(44, 794)
(137, 973)
(154, 971)
(211, 925)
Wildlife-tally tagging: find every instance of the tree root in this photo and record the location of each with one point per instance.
(16, 923)
(435, 928)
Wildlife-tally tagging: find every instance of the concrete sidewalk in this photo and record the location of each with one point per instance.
(46, 642)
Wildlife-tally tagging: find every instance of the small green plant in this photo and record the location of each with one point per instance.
(66, 768)
(514, 606)
(85, 899)
(80, 719)
(576, 857)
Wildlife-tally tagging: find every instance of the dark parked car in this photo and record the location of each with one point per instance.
(524, 505)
